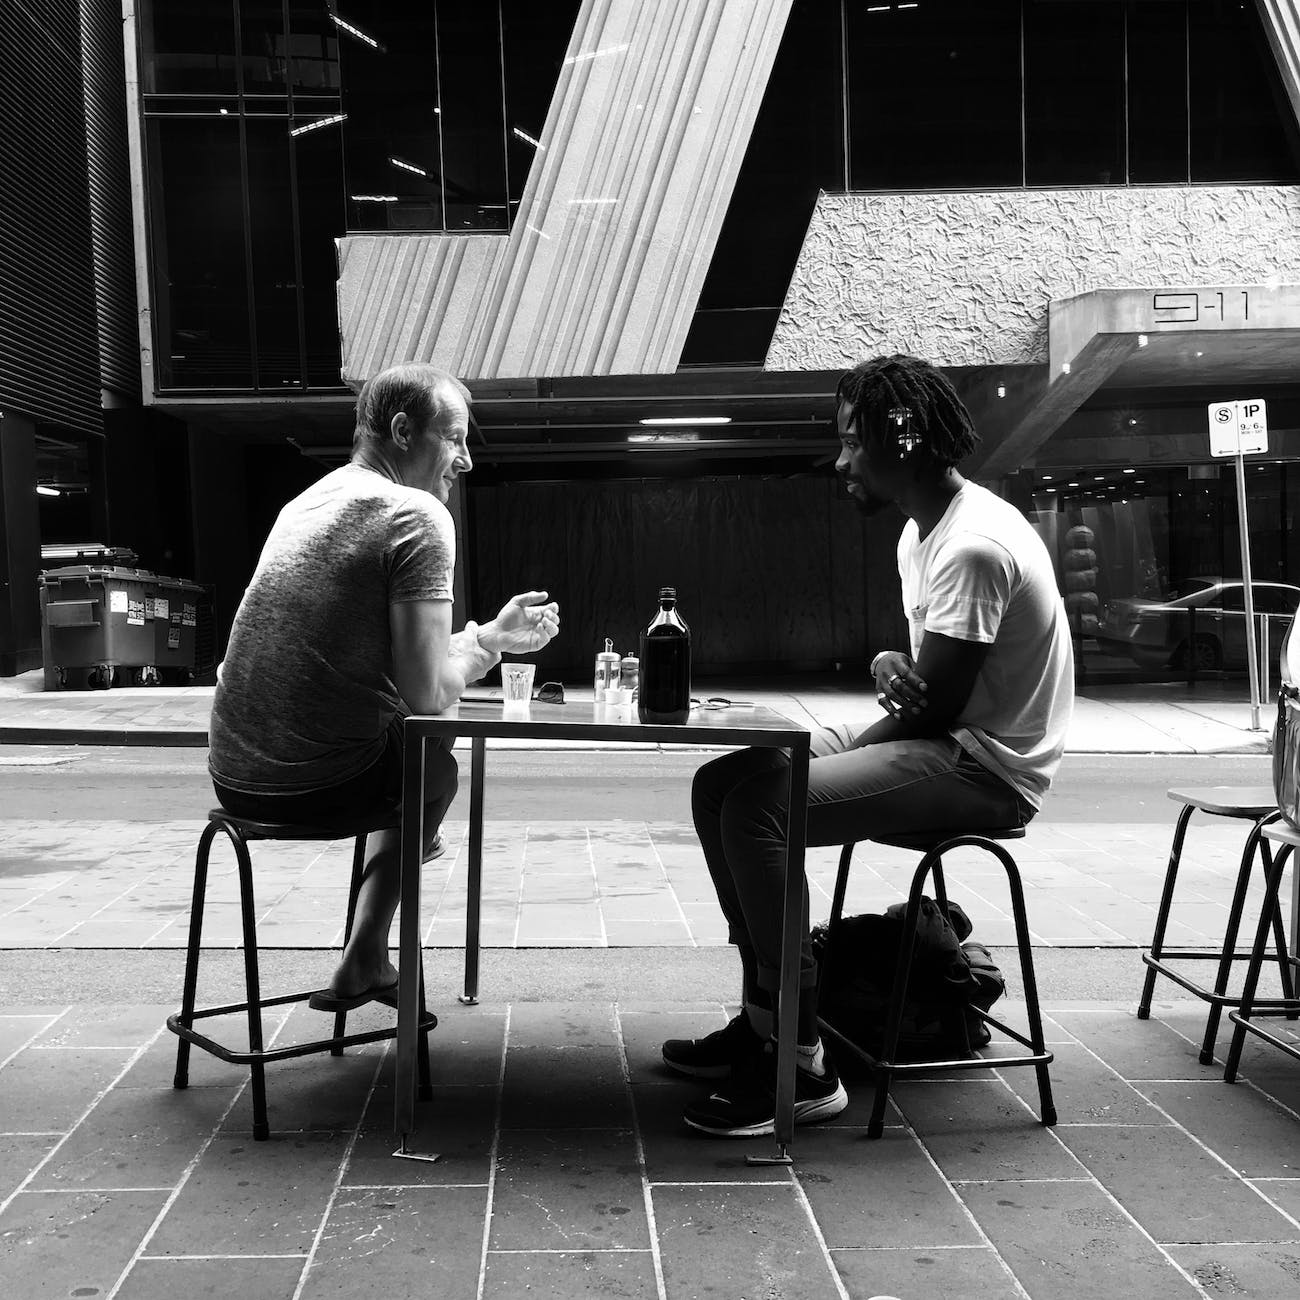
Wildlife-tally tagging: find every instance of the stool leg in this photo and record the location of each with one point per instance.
(424, 1085)
(1162, 915)
(837, 910)
(1267, 910)
(354, 887)
(257, 1070)
(954, 1020)
(1254, 843)
(1036, 1035)
(897, 996)
(181, 1079)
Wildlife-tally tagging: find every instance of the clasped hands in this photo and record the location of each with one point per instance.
(899, 687)
(526, 623)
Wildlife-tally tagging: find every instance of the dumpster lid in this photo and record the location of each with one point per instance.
(68, 572)
(85, 552)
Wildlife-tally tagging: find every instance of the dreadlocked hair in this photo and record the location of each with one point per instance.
(873, 388)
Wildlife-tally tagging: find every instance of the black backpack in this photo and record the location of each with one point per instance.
(948, 977)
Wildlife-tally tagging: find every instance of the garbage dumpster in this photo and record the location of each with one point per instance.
(178, 605)
(94, 626)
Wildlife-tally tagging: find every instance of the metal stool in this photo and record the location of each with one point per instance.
(1269, 918)
(1256, 804)
(241, 831)
(934, 844)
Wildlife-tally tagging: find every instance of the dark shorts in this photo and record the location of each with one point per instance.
(372, 792)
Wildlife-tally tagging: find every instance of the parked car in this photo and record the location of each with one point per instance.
(1202, 626)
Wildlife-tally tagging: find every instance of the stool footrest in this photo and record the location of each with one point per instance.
(1208, 995)
(971, 1062)
(1249, 1025)
(232, 1057)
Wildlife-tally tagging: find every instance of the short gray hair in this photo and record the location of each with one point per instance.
(422, 391)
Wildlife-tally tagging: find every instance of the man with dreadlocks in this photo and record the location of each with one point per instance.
(976, 714)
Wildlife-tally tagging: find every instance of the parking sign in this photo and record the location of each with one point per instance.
(1238, 428)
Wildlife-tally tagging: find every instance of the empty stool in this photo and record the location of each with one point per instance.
(1269, 917)
(1255, 804)
(934, 844)
(241, 832)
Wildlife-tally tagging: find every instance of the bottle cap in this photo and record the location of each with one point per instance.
(667, 593)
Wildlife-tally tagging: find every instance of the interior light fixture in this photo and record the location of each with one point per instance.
(408, 167)
(375, 198)
(318, 123)
(667, 421)
(684, 435)
(1047, 478)
(1130, 471)
(1072, 485)
(45, 490)
(344, 26)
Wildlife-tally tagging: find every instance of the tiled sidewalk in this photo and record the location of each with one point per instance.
(566, 1171)
(616, 883)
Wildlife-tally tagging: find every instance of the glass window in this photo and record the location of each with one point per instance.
(1237, 106)
(473, 121)
(1157, 92)
(314, 37)
(188, 45)
(1074, 93)
(262, 46)
(796, 150)
(534, 40)
(934, 95)
(392, 137)
(318, 157)
(197, 237)
(275, 277)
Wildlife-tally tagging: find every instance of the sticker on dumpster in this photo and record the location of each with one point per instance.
(117, 602)
(188, 617)
(148, 607)
(173, 637)
(160, 608)
(135, 613)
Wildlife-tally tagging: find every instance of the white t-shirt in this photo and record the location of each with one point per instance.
(983, 574)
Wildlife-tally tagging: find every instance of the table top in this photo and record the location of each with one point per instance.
(585, 720)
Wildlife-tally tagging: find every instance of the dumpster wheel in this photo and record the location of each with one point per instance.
(100, 677)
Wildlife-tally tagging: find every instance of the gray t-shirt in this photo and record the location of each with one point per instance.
(307, 690)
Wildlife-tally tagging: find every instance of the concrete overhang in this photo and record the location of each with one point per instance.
(1222, 335)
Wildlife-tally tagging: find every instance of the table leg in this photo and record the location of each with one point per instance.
(791, 931)
(408, 958)
(475, 882)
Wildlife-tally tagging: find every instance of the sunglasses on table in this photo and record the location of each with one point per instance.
(549, 693)
(720, 702)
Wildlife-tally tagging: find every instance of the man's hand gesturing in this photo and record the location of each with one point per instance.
(526, 623)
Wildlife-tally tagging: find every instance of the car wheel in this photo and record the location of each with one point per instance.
(1203, 653)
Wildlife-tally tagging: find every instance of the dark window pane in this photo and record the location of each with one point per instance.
(934, 95)
(473, 127)
(262, 46)
(188, 45)
(275, 279)
(314, 38)
(1157, 92)
(391, 139)
(795, 151)
(534, 38)
(1237, 104)
(1074, 93)
(197, 237)
(319, 159)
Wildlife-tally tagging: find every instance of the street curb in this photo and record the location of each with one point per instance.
(102, 736)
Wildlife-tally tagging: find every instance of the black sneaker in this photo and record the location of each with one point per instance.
(718, 1054)
(745, 1106)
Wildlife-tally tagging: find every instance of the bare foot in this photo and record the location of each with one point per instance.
(354, 976)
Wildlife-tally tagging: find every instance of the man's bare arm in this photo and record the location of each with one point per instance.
(948, 668)
(432, 666)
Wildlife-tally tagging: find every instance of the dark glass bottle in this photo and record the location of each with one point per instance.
(665, 694)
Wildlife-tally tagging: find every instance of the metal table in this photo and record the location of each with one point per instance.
(585, 720)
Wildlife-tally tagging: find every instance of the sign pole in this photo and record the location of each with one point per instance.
(1252, 657)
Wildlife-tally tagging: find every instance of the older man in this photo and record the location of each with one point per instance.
(344, 630)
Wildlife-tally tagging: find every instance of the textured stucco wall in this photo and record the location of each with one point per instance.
(965, 279)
